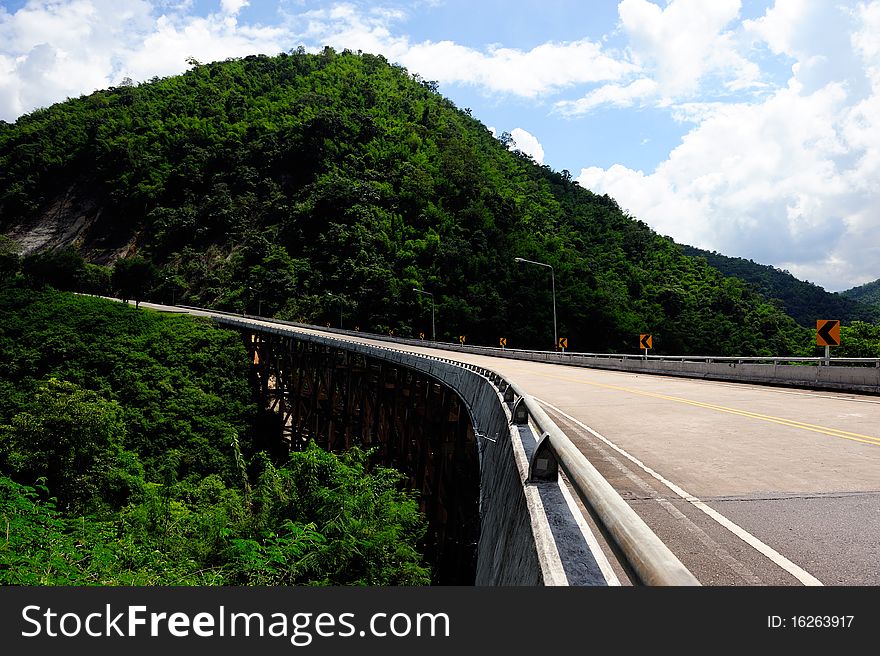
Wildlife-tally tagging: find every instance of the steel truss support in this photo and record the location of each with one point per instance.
(340, 399)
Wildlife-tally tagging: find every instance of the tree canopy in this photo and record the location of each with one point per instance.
(299, 184)
(133, 453)
(804, 301)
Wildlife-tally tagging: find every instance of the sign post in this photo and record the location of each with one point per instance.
(646, 342)
(461, 339)
(828, 335)
(502, 342)
(563, 343)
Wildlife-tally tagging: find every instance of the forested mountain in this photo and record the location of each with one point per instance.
(314, 186)
(869, 293)
(804, 301)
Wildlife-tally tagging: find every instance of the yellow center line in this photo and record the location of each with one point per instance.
(834, 432)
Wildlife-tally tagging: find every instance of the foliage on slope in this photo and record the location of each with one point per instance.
(314, 186)
(804, 301)
(131, 453)
(868, 293)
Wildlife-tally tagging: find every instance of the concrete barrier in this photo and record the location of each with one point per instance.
(516, 545)
(531, 532)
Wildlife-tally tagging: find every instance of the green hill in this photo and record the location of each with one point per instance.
(869, 294)
(804, 301)
(314, 186)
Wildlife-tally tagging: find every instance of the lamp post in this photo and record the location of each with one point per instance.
(553, 287)
(170, 283)
(433, 333)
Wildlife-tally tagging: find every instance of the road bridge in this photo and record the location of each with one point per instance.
(745, 484)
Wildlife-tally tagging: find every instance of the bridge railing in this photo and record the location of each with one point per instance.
(645, 554)
(648, 560)
(572, 356)
(843, 374)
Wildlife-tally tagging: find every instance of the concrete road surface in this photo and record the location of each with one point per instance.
(747, 484)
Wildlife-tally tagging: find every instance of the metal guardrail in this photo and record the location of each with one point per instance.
(709, 359)
(645, 555)
(649, 558)
(561, 356)
(564, 355)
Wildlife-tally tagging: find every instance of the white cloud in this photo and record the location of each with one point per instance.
(54, 50)
(50, 51)
(816, 35)
(527, 143)
(529, 73)
(95, 43)
(610, 94)
(543, 69)
(172, 40)
(793, 179)
(685, 42)
(232, 7)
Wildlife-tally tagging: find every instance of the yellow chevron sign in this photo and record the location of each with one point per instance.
(828, 332)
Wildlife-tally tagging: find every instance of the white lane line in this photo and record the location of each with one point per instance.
(799, 573)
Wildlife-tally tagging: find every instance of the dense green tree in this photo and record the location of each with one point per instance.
(132, 278)
(63, 269)
(70, 437)
(268, 182)
(859, 340)
(132, 453)
(10, 260)
(357, 524)
(804, 301)
(868, 293)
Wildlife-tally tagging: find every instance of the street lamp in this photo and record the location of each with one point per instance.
(170, 283)
(553, 287)
(433, 333)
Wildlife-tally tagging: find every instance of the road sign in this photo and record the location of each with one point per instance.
(646, 341)
(563, 342)
(461, 339)
(502, 342)
(421, 335)
(828, 332)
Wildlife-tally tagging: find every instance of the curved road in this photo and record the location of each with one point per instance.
(747, 484)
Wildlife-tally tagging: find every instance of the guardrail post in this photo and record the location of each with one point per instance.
(543, 465)
(520, 414)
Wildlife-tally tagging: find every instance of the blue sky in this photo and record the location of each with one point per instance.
(749, 127)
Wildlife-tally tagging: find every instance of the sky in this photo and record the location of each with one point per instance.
(747, 127)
